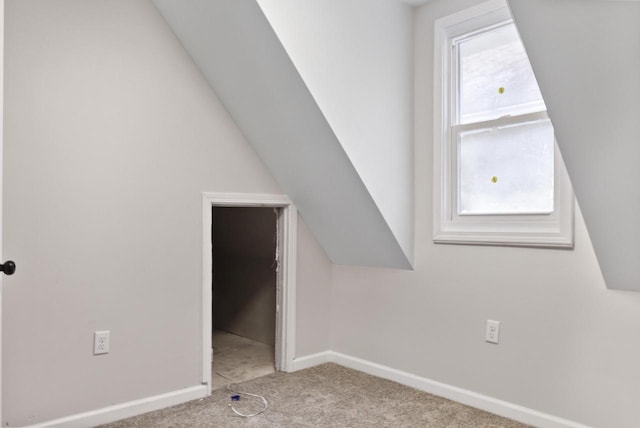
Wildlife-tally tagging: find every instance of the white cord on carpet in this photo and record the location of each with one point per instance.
(264, 401)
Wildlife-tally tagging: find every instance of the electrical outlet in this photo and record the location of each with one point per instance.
(101, 342)
(492, 334)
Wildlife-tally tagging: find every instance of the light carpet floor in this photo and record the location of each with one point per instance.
(328, 395)
(236, 359)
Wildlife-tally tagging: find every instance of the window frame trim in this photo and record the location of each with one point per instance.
(554, 229)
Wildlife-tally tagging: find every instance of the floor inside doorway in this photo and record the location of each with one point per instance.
(236, 359)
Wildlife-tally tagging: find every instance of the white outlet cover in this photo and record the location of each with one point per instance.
(492, 334)
(101, 342)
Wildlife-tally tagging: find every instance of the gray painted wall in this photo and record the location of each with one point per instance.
(313, 294)
(569, 347)
(244, 272)
(111, 135)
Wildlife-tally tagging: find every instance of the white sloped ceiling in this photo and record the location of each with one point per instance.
(586, 57)
(237, 50)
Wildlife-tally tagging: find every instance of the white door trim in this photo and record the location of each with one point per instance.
(1, 175)
(286, 304)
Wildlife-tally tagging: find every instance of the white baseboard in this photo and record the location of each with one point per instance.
(126, 410)
(311, 360)
(460, 395)
(470, 398)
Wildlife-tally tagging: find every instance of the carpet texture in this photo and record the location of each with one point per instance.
(328, 395)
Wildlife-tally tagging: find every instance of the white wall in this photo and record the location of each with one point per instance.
(569, 347)
(592, 45)
(111, 135)
(356, 58)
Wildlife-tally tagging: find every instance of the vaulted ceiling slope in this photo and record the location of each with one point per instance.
(236, 48)
(356, 59)
(585, 54)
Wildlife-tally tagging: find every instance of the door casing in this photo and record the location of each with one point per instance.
(286, 273)
(1, 174)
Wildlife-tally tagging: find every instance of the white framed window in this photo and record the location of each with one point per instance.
(499, 178)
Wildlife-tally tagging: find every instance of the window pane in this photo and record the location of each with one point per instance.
(496, 78)
(507, 170)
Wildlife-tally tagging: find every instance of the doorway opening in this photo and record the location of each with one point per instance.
(245, 269)
(248, 287)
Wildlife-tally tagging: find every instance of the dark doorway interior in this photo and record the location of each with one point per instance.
(244, 290)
